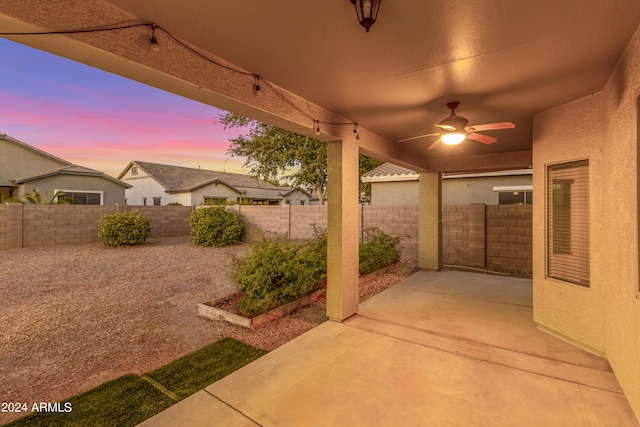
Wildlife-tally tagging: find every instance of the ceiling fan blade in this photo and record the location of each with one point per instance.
(490, 126)
(418, 137)
(446, 127)
(485, 139)
(434, 145)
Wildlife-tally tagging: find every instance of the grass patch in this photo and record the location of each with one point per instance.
(130, 399)
(125, 401)
(197, 370)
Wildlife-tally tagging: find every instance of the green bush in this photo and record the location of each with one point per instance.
(124, 228)
(277, 272)
(174, 204)
(215, 227)
(378, 252)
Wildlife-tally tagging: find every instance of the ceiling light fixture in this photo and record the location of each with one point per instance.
(453, 138)
(154, 43)
(367, 11)
(257, 90)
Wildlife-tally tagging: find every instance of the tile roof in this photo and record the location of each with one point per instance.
(389, 169)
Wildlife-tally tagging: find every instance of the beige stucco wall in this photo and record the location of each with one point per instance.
(112, 193)
(606, 316)
(19, 162)
(455, 191)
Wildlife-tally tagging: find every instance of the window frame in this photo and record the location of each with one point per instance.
(64, 192)
(549, 226)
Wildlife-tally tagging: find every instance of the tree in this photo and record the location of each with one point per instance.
(272, 152)
(38, 199)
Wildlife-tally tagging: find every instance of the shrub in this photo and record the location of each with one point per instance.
(174, 204)
(124, 228)
(215, 227)
(277, 272)
(378, 252)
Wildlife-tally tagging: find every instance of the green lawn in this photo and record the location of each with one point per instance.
(131, 399)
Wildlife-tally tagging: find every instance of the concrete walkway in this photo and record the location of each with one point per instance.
(440, 349)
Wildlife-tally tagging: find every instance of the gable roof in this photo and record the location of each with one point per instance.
(180, 179)
(71, 169)
(5, 137)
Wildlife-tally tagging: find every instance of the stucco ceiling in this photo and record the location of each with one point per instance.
(504, 60)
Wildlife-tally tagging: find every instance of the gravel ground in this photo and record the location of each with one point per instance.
(73, 317)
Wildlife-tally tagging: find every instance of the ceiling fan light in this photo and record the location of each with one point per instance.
(453, 138)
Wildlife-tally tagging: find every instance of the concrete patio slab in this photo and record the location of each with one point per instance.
(411, 358)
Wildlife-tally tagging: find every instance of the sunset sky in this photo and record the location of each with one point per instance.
(103, 121)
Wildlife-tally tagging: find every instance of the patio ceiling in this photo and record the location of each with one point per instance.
(503, 60)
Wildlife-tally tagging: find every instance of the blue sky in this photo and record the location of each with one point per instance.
(104, 121)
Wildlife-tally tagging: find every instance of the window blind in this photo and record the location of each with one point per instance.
(568, 222)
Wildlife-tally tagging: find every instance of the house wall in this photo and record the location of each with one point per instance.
(458, 191)
(455, 191)
(604, 317)
(112, 192)
(212, 190)
(145, 186)
(295, 198)
(19, 162)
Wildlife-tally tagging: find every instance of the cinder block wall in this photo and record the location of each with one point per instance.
(50, 225)
(509, 238)
(262, 219)
(166, 220)
(463, 235)
(398, 220)
(302, 218)
(494, 237)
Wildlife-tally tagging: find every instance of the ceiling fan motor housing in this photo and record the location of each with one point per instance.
(457, 122)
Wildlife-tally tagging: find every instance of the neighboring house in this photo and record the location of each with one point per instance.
(158, 184)
(298, 197)
(24, 168)
(396, 185)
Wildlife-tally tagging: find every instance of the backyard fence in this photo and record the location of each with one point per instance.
(476, 235)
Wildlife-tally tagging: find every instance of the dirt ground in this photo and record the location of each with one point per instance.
(73, 317)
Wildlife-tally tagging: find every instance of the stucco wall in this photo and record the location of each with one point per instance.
(455, 191)
(112, 192)
(19, 162)
(602, 128)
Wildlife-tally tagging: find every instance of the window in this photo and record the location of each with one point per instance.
(156, 201)
(81, 197)
(134, 170)
(144, 201)
(214, 201)
(568, 222)
(515, 198)
(514, 194)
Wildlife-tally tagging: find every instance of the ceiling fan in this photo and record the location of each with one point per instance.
(455, 130)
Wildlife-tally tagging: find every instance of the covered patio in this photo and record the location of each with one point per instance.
(440, 348)
(566, 75)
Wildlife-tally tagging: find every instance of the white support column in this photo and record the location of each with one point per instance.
(430, 221)
(343, 245)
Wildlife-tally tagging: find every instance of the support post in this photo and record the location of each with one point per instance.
(343, 247)
(430, 221)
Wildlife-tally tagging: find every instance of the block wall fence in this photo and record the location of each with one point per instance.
(477, 235)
